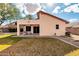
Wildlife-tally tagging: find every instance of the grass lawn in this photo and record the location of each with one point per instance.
(73, 53)
(5, 35)
(6, 41)
(35, 46)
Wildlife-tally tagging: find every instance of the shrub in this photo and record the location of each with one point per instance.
(67, 34)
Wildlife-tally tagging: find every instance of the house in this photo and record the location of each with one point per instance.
(73, 28)
(45, 25)
(12, 27)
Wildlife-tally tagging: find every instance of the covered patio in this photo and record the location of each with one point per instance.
(28, 29)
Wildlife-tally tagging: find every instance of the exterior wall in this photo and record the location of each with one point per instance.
(48, 26)
(27, 22)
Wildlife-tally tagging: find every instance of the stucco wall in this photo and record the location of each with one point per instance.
(48, 26)
(27, 22)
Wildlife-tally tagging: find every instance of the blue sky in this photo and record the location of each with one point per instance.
(66, 11)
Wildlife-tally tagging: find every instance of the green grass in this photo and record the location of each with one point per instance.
(6, 41)
(36, 46)
(73, 53)
(5, 35)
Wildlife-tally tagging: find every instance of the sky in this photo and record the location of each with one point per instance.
(66, 11)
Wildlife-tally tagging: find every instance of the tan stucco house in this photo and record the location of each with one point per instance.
(45, 25)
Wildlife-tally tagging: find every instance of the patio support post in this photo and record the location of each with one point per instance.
(32, 29)
(18, 29)
(24, 29)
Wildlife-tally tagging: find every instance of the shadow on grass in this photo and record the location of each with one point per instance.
(7, 41)
(5, 35)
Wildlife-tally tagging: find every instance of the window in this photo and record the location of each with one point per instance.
(36, 29)
(57, 26)
(28, 28)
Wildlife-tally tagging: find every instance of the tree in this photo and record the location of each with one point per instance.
(8, 11)
(29, 17)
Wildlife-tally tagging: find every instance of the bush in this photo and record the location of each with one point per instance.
(12, 30)
(67, 34)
